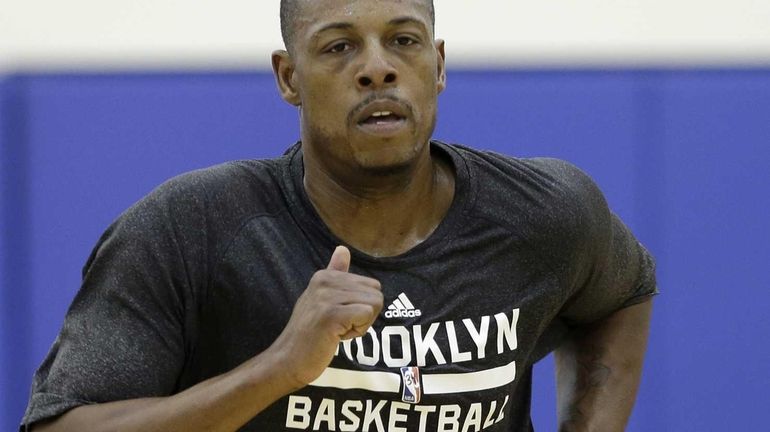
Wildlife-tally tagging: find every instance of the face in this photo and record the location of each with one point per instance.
(366, 75)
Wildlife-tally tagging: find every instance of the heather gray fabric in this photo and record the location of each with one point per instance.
(202, 274)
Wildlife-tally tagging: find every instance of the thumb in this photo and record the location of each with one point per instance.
(340, 259)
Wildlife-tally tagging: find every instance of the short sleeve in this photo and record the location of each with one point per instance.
(124, 334)
(611, 269)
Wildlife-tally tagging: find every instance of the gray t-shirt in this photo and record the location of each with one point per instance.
(203, 273)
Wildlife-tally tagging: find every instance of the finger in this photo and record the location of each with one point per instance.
(354, 282)
(363, 295)
(340, 259)
(354, 333)
(357, 318)
(358, 330)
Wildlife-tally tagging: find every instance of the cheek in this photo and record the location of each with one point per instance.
(316, 103)
(427, 92)
(323, 121)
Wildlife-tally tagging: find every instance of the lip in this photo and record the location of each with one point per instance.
(381, 105)
(384, 128)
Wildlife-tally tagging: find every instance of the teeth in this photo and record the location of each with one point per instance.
(381, 114)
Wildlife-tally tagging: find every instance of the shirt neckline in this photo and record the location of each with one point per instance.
(311, 223)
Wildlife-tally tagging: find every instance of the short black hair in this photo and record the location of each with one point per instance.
(290, 9)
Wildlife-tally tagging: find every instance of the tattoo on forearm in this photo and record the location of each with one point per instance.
(591, 374)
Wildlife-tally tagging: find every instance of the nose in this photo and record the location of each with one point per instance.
(376, 71)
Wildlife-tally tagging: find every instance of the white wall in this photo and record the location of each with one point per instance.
(99, 34)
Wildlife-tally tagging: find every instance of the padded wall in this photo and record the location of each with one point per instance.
(682, 156)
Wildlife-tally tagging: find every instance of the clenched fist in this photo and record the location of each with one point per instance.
(336, 305)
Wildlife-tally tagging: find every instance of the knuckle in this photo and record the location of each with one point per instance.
(321, 278)
(379, 302)
(325, 315)
(372, 310)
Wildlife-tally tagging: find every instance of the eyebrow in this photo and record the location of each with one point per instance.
(406, 20)
(334, 26)
(346, 25)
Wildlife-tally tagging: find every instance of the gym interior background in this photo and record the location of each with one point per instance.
(665, 103)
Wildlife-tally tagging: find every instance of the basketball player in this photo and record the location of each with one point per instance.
(370, 279)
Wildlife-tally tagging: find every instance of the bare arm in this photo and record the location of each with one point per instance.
(222, 403)
(598, 371)
(336, 305)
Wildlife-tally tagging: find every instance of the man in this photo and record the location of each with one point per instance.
(223, 301)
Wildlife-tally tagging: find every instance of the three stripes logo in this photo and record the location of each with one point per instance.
(402, 308)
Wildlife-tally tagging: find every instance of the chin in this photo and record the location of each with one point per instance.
(386, 170)
(388, 160)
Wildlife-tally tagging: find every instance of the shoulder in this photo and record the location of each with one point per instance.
(542, 171)
(193, 215)
(245, 186)
(210, 203)
(227, 181)
(541, 189)
(549, 204)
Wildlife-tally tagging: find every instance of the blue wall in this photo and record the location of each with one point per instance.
(683, 157)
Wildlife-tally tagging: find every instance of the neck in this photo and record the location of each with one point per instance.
(382, 214)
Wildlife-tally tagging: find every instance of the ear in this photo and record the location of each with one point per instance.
(441, 64)
(283, 69)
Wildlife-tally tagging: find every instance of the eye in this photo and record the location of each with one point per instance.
(339, 47)
(405, 40)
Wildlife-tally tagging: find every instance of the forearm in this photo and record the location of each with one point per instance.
(335, 306)
(222, 403)
(598, 371)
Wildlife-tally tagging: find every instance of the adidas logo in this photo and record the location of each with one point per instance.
(402, 308)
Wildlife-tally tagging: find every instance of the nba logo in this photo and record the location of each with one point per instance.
(412, 390)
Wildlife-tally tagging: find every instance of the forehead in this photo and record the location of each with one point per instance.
(315, 14)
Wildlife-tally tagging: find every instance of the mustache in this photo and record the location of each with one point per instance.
(379, 96)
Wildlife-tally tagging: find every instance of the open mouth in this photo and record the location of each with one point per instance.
(381, 118)
(382, 123)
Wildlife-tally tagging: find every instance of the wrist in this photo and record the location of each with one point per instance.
(272, 369)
